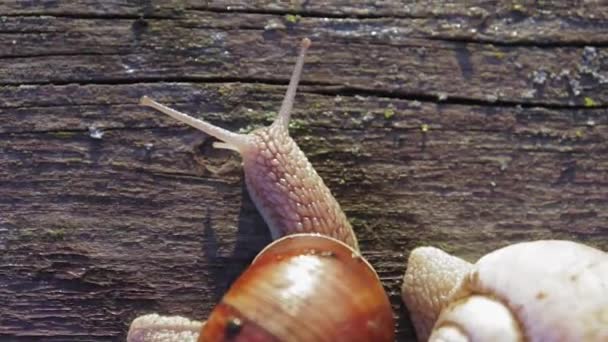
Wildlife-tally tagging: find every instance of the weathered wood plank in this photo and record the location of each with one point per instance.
(65, 50)
(432, 123)
(151, 187)
(475, 21)
(587, 11)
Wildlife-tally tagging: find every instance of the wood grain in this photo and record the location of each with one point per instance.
(432, 124)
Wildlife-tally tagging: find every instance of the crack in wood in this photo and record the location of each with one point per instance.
(304, 13)
(59, 54)
(320, 88)
(547, 44)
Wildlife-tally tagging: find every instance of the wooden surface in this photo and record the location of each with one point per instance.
(466, 127)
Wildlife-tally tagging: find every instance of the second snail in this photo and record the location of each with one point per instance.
(312, 284)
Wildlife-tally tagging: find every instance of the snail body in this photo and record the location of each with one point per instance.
(547, 290)
(311, 283)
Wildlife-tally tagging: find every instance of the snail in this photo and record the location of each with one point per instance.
(311, 283)
(545, 290)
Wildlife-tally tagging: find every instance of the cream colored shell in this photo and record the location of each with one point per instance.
(535, 291)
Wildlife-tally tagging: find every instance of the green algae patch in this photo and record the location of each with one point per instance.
(589, 102)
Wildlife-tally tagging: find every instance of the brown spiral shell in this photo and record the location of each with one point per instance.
(304, 287)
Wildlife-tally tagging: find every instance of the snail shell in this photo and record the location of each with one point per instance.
(304, 287)
(548, 290)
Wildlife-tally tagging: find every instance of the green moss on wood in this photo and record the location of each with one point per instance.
(389, 113)
(292, 18)
(589, 102)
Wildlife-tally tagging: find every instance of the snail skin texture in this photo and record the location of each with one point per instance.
(547, 290)
(311, 284)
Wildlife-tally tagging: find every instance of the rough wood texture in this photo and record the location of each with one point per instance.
(466, 127)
